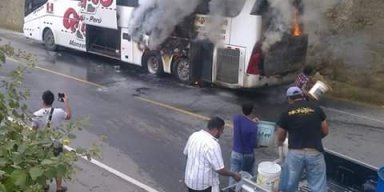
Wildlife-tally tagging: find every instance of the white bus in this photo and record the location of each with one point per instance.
(101, 27)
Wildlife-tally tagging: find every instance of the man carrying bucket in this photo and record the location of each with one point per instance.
(306, 125)
(244, 141)
(304, 80)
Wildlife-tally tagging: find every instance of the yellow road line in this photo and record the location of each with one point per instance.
(196, 115)
(59, 74)
(69, 77)
(227, 123)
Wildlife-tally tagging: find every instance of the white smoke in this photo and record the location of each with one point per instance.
(158, 18)
(218, 10)
(280, 15)
(214, 23)
(336, 32)
(137, 25)
(314, 16)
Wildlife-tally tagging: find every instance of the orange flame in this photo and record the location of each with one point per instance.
(296, 28)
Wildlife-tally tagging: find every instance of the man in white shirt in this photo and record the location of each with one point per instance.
(41, 117)
(50, 117)
(204, 159)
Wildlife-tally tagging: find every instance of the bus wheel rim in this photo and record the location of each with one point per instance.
(153, 65)
(49, 39)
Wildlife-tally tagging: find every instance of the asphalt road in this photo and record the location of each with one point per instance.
(147, 119)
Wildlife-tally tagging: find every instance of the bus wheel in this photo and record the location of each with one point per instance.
(49, 40)
(153, 63)
(182, 70)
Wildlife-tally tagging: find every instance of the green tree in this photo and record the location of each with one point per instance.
(26, 155)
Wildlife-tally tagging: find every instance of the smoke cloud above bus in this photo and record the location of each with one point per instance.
(282, 17)
(158, 18)
(154, 20)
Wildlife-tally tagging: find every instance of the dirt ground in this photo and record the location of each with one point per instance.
(348, 49)
(12, 14)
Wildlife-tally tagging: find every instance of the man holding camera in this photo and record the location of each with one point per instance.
(50, 117)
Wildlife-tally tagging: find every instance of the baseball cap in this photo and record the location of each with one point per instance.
(294, 91)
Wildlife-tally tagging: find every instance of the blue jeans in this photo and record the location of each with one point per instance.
(241, 162)
(296, 163)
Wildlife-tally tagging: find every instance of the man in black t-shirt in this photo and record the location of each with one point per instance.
(306, 125)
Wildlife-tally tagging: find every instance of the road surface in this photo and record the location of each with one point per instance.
(147, 119)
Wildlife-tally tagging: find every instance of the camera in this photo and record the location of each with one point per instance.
(60, 97)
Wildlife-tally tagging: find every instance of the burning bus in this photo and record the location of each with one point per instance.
(232, 43)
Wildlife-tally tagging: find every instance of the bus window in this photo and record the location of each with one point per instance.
(32, 5)
(129, 3)
(260, 7)
(232, 7)
(203, 8)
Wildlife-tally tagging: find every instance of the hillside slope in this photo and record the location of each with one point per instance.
(12, 14)
(350, 50)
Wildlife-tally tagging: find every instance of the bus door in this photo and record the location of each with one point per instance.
(126, 46)
(103, 34)
(201, 59)
(99, 13)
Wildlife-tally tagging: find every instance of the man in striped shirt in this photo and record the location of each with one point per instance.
(304, 80)
(204, 159)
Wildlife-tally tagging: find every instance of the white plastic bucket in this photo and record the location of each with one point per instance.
(265, 133)
(268, 174)
(318, 90)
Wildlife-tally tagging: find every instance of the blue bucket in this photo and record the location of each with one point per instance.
(380, 181)
(265, 133)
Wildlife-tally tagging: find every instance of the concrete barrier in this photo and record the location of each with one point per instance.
(12, 14)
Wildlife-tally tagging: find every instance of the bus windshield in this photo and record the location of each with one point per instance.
(128, 3)
(260, 7)
(32, 5)
(232, 8)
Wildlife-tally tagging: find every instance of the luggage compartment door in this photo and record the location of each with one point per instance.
(126, 46)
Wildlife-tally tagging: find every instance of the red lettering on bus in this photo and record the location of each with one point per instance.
(95, 2)
(83, 3)
(71, 19)
(49, 7)
(106, 3)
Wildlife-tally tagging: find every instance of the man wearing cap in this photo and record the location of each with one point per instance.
(306, 125)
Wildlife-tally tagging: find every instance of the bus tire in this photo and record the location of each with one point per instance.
(182, 70)
(49, 40)
(153, 63)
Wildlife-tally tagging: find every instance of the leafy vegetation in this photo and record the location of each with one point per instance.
(26, 156)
